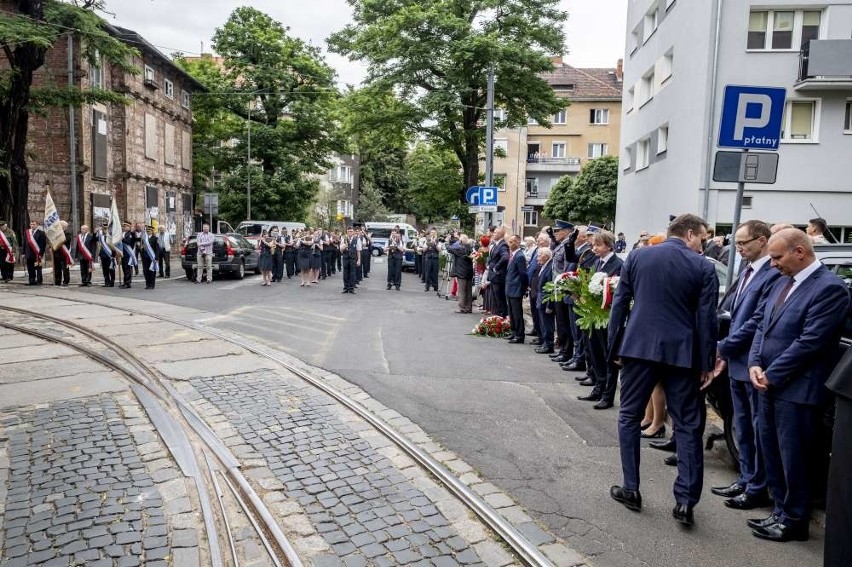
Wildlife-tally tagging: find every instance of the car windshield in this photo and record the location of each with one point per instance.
(252, 229)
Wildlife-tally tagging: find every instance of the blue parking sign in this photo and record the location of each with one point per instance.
(752, 117)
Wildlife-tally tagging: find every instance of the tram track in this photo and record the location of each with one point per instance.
(159, 386)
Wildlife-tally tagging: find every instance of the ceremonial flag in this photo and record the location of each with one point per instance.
(115, 233)
(10, 256)
(52, 227)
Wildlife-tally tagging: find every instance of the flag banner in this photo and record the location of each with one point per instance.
(81, 248)
(149, 251)
(115, 233)
(10, 256)
(131, 255)
(52, 226)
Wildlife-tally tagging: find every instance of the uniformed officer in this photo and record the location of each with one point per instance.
(107, 254)
(351, 251)
(565, 238)
(150, 253)
(395, 250)
(128, 257)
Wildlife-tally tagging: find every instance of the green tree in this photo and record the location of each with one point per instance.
(588, 197)
(27, 32)
(433, 180)
(370, 206)
(283, 91)
(437, 54)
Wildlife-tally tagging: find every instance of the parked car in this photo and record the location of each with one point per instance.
(232, 254)
(252, 229)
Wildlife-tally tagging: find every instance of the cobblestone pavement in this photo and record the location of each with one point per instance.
(367, 511)
(86, 484)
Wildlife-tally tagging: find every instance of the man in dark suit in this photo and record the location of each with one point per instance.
(605, 369)
(545, 309)
(580, 256)
(746, 297)
(35, 244)
(463, 272)
(838, 511)
(84, 250)
(498, 261)
(669, 338)
(516, 288)
(564, 236)
(794, 349)
(128, 259)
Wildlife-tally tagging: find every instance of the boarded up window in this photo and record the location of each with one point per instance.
(186, 150)
(99, 145)
(170, 144)
(150, 136)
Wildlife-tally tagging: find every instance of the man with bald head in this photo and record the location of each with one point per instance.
(794, 350)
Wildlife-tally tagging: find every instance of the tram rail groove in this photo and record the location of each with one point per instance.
(246, 497)
(527, 552)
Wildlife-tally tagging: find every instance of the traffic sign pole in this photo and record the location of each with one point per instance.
(732, 251)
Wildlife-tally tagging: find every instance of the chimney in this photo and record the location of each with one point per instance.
(556, 60)
(619, 70)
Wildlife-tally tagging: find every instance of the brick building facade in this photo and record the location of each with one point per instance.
(139, 153)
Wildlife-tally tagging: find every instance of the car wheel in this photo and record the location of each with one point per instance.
(190, 275)
(241, 270)
(376, 252)
(731, 440)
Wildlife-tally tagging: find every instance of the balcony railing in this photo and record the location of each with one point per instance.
(825, 64)
(553, 160)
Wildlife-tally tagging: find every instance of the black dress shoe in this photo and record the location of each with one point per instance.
(631, 499)
(683, 514)
(389, 288)
(535, 342)
(781, 533)
(755, 523)
(671, 461)
(588, 382)
(509, 337)
(558, 358)
(729, 491)
(544, 349)
(574, 365)
(603, 404)
(593, 397)
(577, 378)
(667, 445)
(746, 501)
(516, 341)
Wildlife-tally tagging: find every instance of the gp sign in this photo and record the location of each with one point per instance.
(481, 195)
(752, 117)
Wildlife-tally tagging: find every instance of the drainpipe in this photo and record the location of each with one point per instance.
(711, 134)
(72, 139)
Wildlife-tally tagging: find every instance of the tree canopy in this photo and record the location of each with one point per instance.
(437, 54)
(588, 197)
(433, 180)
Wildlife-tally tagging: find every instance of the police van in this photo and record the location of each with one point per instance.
(381, 232)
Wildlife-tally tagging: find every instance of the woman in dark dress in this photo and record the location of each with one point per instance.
(265, 245)
(277, 254)
(304, 247)
(316, 257)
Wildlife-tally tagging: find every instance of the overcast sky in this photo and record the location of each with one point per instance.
(594, 31)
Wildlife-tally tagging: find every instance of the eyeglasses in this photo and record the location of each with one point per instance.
(740, 243)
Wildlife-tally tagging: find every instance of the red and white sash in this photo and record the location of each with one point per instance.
(81, 248)
(10, 256)
(69, 261)
(33, 246)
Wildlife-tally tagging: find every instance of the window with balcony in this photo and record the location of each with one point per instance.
(847, 119)
(558, 150)
(782, 30)
(531, 218)
(532, 187)
(801, 121)
(168, 88)
(643, 154)
(560, 117)
(597, 150)
(599, 116)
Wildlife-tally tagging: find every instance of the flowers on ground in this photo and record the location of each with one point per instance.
(494, 326)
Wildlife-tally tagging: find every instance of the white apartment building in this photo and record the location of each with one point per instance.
(680, 55)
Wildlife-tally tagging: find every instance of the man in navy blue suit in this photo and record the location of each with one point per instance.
(516, 288)
(545, 309)
(670, 337)
(604, 369)
(498, 260)
(794, 349)
(746, 297)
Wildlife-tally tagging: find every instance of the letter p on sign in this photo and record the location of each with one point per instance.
(752, 117)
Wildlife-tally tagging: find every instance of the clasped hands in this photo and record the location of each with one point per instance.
(758, 378)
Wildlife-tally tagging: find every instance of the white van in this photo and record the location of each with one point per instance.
(252, 229)
(381, 233)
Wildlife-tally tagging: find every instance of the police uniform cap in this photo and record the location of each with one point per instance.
(562, 225)
(593, 228)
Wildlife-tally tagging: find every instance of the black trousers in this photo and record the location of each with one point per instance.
(365, 263)
(290, 261)
(606, 373)
(516, 316)
(838, 511)
(328, 261)
(350, 272)
(127, 271)
(338, 257)
(61, 271)
(277, 266)
(7, 269)
(394, 270)
(563, 329)
(430, 271)
(498, 296)
(150, 275)
(33, 271)
(85, 271)
(418, 265)
(165, 263)
(108, 269)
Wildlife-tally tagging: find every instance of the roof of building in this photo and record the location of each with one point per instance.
(585, 83)
(136, 40)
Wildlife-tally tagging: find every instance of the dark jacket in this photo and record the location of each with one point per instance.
(91, 244)
(41, 242)
(498, 261)
(463, 264)
(516, 275)
(545, 275)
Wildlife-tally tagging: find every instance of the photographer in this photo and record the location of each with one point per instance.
(463, 271)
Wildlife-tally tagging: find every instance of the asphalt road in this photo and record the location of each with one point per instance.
(507, 411)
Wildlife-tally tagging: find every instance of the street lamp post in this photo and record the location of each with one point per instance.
(248, 167)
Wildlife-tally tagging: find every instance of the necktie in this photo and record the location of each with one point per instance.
(599, 265)
(782, 297)
(743, 282)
